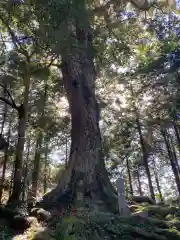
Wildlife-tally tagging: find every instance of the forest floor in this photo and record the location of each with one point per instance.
(158, 223)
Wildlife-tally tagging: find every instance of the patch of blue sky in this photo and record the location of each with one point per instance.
(178, 4)
(164, 25)
(127, 15)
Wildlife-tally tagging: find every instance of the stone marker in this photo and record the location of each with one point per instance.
(123, 207)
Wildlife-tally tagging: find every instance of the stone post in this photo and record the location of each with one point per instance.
(123, 207)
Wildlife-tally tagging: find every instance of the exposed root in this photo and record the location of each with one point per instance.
(72, 191)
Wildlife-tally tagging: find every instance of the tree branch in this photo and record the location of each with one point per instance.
(8, 102)
(52, 60)
(13, 104)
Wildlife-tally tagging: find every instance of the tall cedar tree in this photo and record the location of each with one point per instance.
(85, 175)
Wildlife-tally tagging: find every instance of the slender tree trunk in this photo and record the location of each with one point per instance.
(66, 160)
(5, 164)
(145, 159)
(46, 164)
(126, 184)
(49, 173)
(176, 133)
(24, 188)
(172, 161)
(6, 150)
(173, 150)
(4, 114)
(157, 182)
(22, 114)
(46, 172)
(11, 183)
(129, 176)
(143, 147)
(3, 143)
(86, 175)
(139, 184)
(37, 159)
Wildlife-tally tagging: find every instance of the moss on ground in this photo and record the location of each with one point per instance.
(162, 225)
(85, 224)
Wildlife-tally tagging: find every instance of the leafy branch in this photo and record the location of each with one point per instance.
(14, 38)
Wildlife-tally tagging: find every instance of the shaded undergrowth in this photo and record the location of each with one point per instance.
(5, 232)
(163, 223)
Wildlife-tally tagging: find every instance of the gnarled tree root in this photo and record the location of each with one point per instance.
(74, 191)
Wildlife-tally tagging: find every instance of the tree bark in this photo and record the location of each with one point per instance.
(86, 175)
(129, 176)
(171, 159)
(22, 115)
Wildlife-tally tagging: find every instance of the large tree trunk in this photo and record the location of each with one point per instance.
(22, 114)
(5, 164)
(85, 175)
